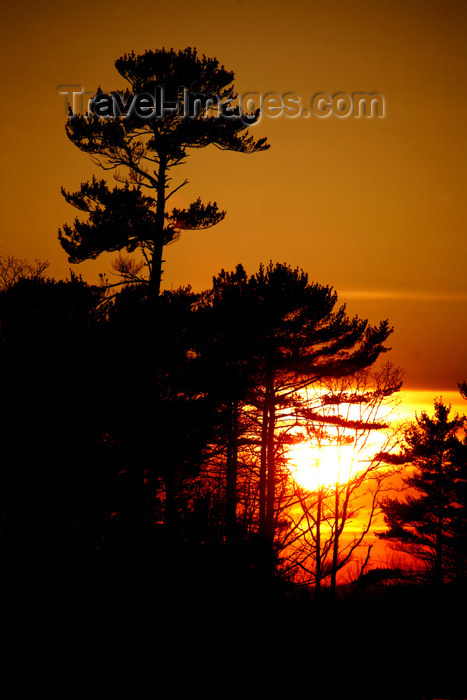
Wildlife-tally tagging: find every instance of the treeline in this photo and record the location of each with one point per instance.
(203, 393)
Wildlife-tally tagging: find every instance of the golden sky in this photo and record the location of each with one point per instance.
(377, 208)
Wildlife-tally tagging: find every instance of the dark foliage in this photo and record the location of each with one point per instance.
(63, 484)
(93, 400)
(430, 521)
(143, 153)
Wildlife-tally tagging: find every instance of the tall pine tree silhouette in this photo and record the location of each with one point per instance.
(143, 148)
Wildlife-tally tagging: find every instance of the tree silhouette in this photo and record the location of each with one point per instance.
(225, 352)
(343, 414)
(272, 335)
(13, 269)
(59, 471)
(426, 522)
(143, 151)
(463, 389)
(165, 431)
(301, 341)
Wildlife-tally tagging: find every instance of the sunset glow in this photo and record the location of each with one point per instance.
(313, 468)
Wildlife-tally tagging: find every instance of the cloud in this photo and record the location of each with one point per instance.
(402, 296)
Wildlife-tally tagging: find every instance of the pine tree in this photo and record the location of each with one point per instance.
(143, 150)
(302, 340)
(276, 333)
(425, 523)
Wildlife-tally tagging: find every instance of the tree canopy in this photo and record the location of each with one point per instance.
(143, 152)
(426, 523)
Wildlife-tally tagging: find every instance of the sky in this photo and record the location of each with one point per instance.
(375, 208)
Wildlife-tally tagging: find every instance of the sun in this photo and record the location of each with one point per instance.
(313, 468)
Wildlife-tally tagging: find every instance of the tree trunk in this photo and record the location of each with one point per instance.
(335, 549)
(338, 529)
(231, 475)
(318, 574)
(271, 477)
(263, 464)
(156, 270)
(438, 568)
(156, 262)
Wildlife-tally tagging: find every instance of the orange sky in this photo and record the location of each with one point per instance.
(376, 208)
